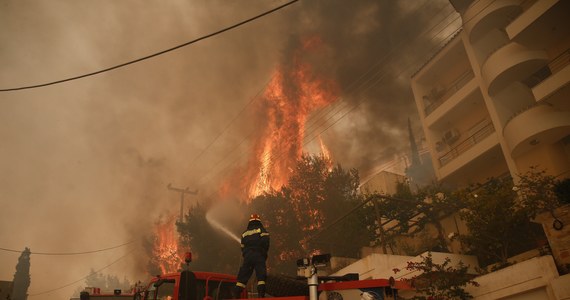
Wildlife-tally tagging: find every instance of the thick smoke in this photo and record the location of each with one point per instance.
(374, 46)
(85, 164)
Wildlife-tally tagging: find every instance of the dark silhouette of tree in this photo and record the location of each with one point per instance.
(107, 282)
(537, 192)
(416, 213)
(299, 216)
(562, 190)
(22, 276)
(281, 220)
(344, 232)
(497, 227)
(211, 250)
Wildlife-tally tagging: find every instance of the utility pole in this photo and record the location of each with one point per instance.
(182, 193)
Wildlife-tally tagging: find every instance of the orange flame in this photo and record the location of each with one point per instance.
(290, 97)
(294, 92)
(166, 252)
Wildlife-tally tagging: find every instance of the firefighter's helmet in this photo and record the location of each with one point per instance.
(254, 217)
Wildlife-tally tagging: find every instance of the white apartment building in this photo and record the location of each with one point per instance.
(496, 99)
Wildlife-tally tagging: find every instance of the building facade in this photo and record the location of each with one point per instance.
(495, 100)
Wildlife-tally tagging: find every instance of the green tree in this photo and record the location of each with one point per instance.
(537, 192)
(22, 279)
(439, 281)
(415, 211)
(496, 226)
(340, 196)
(435, 203)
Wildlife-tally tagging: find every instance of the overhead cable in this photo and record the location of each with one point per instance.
(85, 277)
(70, 253)
(228, 126)
(362, 83)
(152, 55)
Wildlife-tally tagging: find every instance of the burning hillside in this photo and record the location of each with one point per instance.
(294, 92)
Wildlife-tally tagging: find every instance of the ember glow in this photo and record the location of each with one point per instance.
(166, 252)
(291, 96)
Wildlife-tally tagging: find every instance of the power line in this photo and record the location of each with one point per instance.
(378, 76)
(373, 83)
(446, 39)
(375, 79)
(367, 83)
(371, 78)
(387, 56)
(332, 107)
(155, 54)
(70, 253)
(85, 277)
(253, 99)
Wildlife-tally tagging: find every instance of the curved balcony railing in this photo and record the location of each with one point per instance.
(559, 62)
(437, 97)
(484, 15)
(522, 110)
(534, 124)
(467, 143)
(553, 67)
(511, 63)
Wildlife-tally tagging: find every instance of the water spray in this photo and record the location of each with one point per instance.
(221, 227)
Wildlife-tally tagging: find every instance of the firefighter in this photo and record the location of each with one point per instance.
(254, 247)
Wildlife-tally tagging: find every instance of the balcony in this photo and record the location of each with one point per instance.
(511, 63)
(533, 125)
(438, 96)
(484, 15)
(543, 25)
(468, 143)
(558, 77)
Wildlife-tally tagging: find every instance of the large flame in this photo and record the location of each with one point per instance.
(290, 97)
(166, 251)
(294, 92)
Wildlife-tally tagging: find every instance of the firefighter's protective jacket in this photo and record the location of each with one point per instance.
(255, 240)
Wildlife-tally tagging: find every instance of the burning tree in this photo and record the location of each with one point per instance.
(294, 92)
(290, 188)
(315, 195)
(165, 253)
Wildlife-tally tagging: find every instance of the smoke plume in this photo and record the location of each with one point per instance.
(85, 164)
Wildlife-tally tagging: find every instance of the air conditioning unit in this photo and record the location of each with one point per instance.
(451, 136)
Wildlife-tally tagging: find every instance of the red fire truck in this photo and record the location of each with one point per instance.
(190, 285)
(93, 293)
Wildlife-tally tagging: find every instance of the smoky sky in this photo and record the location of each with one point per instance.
(85, 164)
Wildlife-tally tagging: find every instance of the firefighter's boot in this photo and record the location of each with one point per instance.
(236, 292)
(261, 290)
